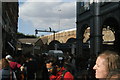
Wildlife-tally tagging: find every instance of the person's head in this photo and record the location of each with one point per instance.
(3, 63)
(106, 61)
(9, 58)
(49, 63)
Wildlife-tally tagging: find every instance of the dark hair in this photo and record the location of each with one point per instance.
(51, 59)
(48, 61)
(4, 62)
(55, 61)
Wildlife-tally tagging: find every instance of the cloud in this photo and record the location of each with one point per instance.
(43, 15)
(40, 0)
(47, 0)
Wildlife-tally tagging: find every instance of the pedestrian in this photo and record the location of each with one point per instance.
(49, 65)
(58, 71)
(106, 62)
(5, 71)
(42, 72)
(15, 67)
(70, 67)
(31, 67)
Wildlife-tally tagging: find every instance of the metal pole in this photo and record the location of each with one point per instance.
(73, 49)
(54, 35)
(97, 28)
(55, 46)
(59, 17)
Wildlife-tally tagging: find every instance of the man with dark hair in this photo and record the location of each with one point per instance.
(58, 71)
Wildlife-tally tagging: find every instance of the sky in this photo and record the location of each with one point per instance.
(59, 15)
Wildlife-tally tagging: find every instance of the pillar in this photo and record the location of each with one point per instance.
(0, 29)
(97, 28)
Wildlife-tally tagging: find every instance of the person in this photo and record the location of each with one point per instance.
(57, 70)
(49, 65)
(15, 67)
(106, 62)
(5, 71)
(30, 67)
(42, 72)
(70, 67)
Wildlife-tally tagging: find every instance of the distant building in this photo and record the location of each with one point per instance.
(8, 27)
(30, 45)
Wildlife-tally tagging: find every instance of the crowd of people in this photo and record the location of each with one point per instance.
(50, 67)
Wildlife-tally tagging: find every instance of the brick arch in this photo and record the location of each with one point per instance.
(52, 44)
(71, 40)
(63, 36)
(115, 28)
(82, 31)
(112, 22)
(69, 37)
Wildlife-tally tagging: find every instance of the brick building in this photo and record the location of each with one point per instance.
(8, 27)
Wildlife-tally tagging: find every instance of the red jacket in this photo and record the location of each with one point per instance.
(14, 65)
(59, 75)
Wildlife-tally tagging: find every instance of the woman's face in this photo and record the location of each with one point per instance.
(100, 68)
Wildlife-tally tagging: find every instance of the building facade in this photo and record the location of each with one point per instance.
(0, 30)
(99, 17)
(62, 36)
(30, 45)
(8, 27)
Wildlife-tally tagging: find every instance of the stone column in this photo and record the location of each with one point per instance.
(78, 32)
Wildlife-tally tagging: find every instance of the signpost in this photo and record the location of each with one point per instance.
(36, 32)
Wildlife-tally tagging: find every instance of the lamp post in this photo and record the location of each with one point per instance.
(59, 17)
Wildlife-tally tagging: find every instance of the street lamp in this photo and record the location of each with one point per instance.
(59, 16)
